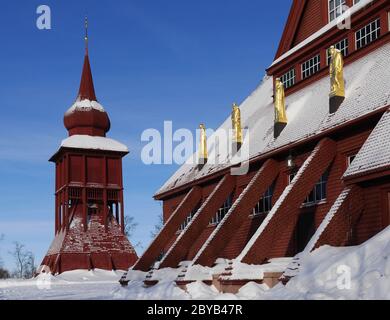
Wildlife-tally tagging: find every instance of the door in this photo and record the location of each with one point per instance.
(305, 229)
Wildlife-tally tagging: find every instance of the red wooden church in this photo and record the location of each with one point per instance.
(89, 207)
(321, 178)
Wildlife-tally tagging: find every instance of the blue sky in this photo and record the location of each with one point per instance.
(156, 60)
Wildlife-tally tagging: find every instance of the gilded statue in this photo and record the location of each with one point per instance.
(203, 153)
(280, 102)
(337, 87)
(236, 124)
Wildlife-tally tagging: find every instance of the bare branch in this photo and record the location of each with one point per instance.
(24, 261)
(158, 226)
(130, 226)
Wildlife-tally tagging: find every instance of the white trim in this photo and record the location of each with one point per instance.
(289, 78)
(368, 37)
(310, 67)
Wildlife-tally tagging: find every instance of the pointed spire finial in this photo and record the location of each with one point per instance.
(86, 34)
(87, 90)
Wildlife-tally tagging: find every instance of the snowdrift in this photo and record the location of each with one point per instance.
(361, 272)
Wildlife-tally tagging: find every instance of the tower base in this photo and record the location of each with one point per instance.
(96, 248)
(63, 262)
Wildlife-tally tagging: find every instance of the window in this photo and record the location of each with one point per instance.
(342, 46)
(189, 218)
(368, 34)
(222, 211)
(288, 79)
(265, 203)
(350, 159)
(310, 67)
(319, 192)
(336, 8)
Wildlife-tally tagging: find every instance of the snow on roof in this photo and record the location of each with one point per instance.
(57, 242)
(92, 142)
(375, 153)
(355, 8)
(367, 89)
(85, 105)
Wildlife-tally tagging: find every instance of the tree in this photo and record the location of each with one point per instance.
(4, 274)
(130, 227)
(158, 226)
(31, 267)
(24, 261)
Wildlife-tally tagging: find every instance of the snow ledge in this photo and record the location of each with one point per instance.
(85, 105)
(92, 142)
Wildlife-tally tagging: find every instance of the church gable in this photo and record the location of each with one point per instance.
(313, 18)
(305, 18)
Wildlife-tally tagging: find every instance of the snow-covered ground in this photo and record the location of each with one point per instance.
(361, 272)
(79, 284)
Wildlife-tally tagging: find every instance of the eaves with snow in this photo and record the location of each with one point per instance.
(93, 143)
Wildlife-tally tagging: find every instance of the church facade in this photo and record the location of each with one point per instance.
(320, 176)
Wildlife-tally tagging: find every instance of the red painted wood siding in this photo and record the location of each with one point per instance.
(113, 171)
(312, 20)
(374, 217)
(347, 144)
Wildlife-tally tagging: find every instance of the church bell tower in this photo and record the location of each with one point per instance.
(89, 206)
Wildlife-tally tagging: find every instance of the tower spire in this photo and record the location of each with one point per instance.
(87, 116)
(87, 90)
(86, 34)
